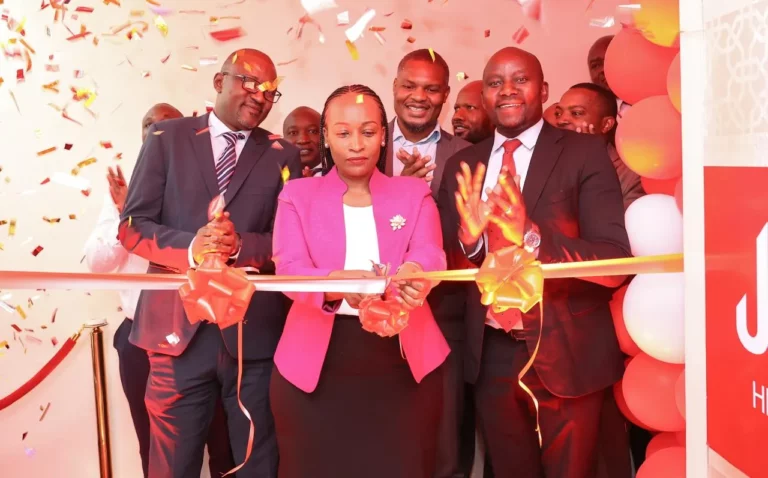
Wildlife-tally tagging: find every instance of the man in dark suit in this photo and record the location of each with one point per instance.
(418, 146)
(182, 166)
(570, 208)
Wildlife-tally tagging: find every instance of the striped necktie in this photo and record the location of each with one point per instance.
(225, 166)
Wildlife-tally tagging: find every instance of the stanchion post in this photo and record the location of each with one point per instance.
(100, 396)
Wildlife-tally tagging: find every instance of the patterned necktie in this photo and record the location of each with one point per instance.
(225, 166)
(496, 240)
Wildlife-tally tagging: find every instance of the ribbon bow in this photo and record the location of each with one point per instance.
(510, 278)
(383, 315)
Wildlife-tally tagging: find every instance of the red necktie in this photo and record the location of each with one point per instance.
(496, 239)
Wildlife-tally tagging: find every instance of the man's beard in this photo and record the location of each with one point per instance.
(416, 128)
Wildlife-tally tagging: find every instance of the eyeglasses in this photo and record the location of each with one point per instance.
(251, 86)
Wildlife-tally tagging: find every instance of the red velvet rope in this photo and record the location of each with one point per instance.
(33, 382)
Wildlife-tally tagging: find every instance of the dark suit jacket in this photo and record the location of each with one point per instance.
(573, 194)
(170, 190)
(448, 299)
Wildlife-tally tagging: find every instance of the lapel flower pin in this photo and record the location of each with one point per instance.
(397, 222)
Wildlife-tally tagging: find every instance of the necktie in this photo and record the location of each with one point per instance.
(225, 166)
(496, 239)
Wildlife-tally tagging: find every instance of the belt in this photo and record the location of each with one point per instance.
(518, 335)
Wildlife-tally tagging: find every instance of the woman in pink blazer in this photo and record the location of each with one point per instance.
(348, 403)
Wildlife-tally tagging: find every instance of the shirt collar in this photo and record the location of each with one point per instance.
(216, 128)
(434, 136)
(528, 137)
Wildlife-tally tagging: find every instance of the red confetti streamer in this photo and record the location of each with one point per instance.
(520, 35)
(37, 250)
(16, 328)
(45, 181)
(53, 317)
(228, 34)
(165, 59)
(487, 33)
(86, 192)
(406, 25)
(68, 146)
(54, 341)
(84, 9)
(105, 144)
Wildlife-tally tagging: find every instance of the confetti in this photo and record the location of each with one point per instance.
(283, 63)
(354, 32)
(487, 33)
(531, 8)
(105, 144)
(51, 220)
(461, 76)
(82, 164)
(359, 99)
(605, 22)
(520, 35)
(84, 9)
(6, 307)
(54, 86)
(37, 250)
(118, 157)
(44, 410)
(352, 50)
(276, 145)
(21, 313)
(16, 328)
(342, 18)
(432, 54)
(172, 339)
(406, 25)
(72, 217)
(285, 173)
(314, 6)
(16, 103)
(158, 133)
(19, 76)
(112, 2)
(165, 59)
(86, 192)
(54, 341)
(83, 33)
(188, 68)
(228, 34)
(379, 38)
(46, 151)
(12, 228)
(137, 13)
(215, 20)
(145, 74)
(53, 316)
(202, 131)
(209, 60)
(79, 74)
(23, 435)
(161, 25)
(33, 339)
(52, 68)
(26, 45)
(410, 40)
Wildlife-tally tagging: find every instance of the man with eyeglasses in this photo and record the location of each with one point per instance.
(183, 165)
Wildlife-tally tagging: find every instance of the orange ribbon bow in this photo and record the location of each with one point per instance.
(383, 315)
(510, 278)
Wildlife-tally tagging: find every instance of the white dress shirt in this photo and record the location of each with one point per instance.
(362, 245)
(522, 157)
(426, 147)
(218, 144)
(104, 253)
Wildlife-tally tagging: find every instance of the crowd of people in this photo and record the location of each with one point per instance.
(328, 398)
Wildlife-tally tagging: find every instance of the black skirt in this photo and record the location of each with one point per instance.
(367, 418)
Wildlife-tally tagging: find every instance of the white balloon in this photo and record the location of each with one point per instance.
(654, 315)
(654, 225)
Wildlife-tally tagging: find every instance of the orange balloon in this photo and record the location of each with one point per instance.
(673, 83)
(666, 463)
(649, 389)
(649, 139)
(659, 20)
(659, 186)
(627, 345)
(636, 68)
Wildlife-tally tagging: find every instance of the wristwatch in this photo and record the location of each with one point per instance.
(532, 238)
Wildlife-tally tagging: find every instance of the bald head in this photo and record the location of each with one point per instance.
(302, 128)
(240, 103)
(596, 61)
(470, 121)
(157, 113)
(514, 90)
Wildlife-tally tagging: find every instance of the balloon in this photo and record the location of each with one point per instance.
(666, 463)
(636, 68)
(659, 186)
(673, 83)
(627, 345)
(653, 314)
(662, 441)
(618, 394)
(654, 225)
(679, 195)
(649, 390)
(680, 393)
(659, 21)
(649, 139)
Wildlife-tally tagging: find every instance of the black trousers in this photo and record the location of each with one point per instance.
(570, 427)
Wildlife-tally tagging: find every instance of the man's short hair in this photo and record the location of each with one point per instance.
(608, 101)
(424, 55)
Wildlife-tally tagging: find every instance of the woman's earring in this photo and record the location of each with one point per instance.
(326, 145)
(383, 143)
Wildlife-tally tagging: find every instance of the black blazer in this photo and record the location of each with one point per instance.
(573, 194)
(168, 196)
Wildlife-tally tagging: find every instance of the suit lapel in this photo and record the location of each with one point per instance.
(485, 148)
(443, 151)
(545, 156)
(201, 143)
(389, 168)
(252, 151)
(383, 211)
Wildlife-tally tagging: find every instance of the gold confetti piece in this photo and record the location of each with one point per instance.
(12, 228)
(53, 86)
(432, 54)
(44, 410)
(410, 40)
(21, 313)
(461, 76)
(188, 68)
(130, 220)
(1, 247)
(3, 222)
(29, 302)
(137, 13)
(158, 133)
(46, 151)
(112, 2)
(352, 50)
(51, 220)
(359, 99)
(1, 81)
(161, 25)
(72, 217)
(285, 173)
(26, 45)
(4, 343)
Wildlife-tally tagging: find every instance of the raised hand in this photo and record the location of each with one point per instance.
(508, 207)
(473, 211)
(118, 187)
(416, 165)
(218, 236)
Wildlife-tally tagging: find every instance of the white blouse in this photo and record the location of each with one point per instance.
(362, 245)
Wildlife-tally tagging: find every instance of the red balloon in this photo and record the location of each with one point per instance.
(636, 68)
(673, 83)
(649, 139)
(666, 463)
(659, 186)
(662, 441)
(627, 345)
(618, 394)
(649, 390)
(680, 393)
(679, 194)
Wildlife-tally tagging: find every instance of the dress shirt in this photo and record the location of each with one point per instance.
(426, 147)
(218, 144)
(522, 157)
(104, 253)
(362, 242)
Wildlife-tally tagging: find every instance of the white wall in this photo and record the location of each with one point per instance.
(64, 442)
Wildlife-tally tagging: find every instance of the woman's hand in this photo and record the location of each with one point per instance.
(352, 299)
(411, 292)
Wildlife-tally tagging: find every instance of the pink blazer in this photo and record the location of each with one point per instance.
(308, 240)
